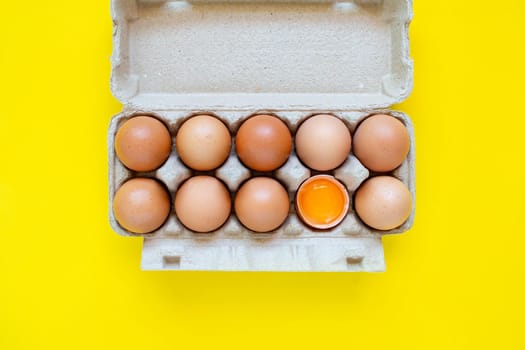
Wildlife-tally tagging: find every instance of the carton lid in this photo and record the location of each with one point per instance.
(223, 55)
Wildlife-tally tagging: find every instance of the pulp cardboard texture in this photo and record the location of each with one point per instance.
(292, 59)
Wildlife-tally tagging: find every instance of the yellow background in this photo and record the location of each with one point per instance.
(455, 281)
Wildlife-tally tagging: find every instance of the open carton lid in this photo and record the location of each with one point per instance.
(252, 55)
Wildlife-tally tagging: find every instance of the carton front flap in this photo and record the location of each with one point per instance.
(261, 55)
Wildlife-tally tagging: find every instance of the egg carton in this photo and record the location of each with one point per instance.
(173, 60)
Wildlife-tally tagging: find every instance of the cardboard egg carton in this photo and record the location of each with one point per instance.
(173, 60)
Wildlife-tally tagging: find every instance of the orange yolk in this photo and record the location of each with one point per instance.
(321, 201)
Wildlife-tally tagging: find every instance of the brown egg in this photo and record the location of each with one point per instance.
(141, 205)
(262, 204)
(323, 142)
(203, 204)
(263, 143)
(203, 142)
(383, 202)
(381, 143)
(143, 143)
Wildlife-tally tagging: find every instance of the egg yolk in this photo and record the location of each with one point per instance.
(321, 202)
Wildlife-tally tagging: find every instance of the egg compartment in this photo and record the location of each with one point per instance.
(234, 59)
(173, 173)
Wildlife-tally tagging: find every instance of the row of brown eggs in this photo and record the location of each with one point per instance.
(203, 203)
(264, 142)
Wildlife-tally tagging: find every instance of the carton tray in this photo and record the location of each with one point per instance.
(173, 60)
